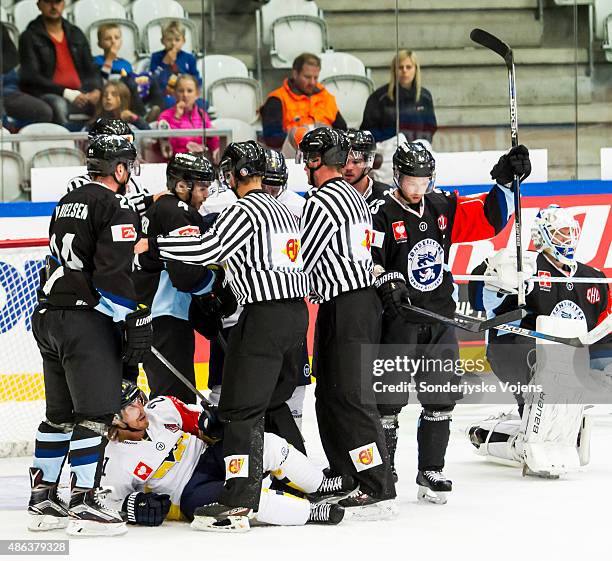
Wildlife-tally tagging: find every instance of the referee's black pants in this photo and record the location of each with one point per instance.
(175, 340)
(259, 375)
(347, 333)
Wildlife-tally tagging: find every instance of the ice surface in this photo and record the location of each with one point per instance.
(493, 513)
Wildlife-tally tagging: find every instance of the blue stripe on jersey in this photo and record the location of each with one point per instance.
(168, 301)
(506, 203)
(206, 285)
(51, 452)
(114, 306)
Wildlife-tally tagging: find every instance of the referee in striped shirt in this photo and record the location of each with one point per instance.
(336, 230)
(258, 240)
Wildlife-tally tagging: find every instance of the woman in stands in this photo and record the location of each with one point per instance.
(186, 114)
(115, 104)
(417, 119)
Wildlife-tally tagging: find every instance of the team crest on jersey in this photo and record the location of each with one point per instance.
(568, 310)
(442, 222)
(544, 284)
(593, 295)
(425, 262)
(236, 466)
(292, 249)
(366, 457)
(143, 471)
(399, 231)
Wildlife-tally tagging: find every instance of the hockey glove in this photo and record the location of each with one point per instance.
(211, 428)
(393, 292)
(146, 509)
(515, 162)
(137, 335)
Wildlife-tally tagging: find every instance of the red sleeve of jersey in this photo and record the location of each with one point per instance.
(189, 418)
(470, 222)
(607, 311)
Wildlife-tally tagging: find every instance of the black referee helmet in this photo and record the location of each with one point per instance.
(243, 159)
(332, 145)
(116, 127)
(276, 175)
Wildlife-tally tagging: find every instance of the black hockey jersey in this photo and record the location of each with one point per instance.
(584, 301)
(416, 241)
(167, 287)
(377, 191)
(92, 235)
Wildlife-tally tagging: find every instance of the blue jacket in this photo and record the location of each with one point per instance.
(185, 63)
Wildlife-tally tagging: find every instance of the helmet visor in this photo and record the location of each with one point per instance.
(414, 185)
(360, 159)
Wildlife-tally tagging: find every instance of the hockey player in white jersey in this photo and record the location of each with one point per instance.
(165, 460)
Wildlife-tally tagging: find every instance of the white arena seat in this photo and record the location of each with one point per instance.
(12, 172)
(86, 12)
(11, 28)
(235, 98)
(241, 131)
(293, 35)
(340, 64)
(24, 12)
(130, 45)
(351, 94)
(58, 157)
(275, 9)
(216, 67)
(602, 12)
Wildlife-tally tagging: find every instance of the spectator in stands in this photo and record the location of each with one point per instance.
(19, 106)
(115, 104)
(186, 114)
(300, 103)
(168, 64)
(417, 119)
(56, 64)
(110, 41)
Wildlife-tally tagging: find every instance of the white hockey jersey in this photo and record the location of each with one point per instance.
(164, 461)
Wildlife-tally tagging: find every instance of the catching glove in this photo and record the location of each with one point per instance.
(393, 292)
(146, 509)
(515, 162)
(137, 335)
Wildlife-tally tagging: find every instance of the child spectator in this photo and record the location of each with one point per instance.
(110, 41)
(168, 64)
(186, 114)
(114, 104)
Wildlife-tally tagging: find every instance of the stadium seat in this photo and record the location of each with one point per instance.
(241, 131)
(130, 45)
(351, 92)
(11, 28)
(86, 12)
(24, 12)
(215, 67)
(340, 64)
(29, 148)
(312, 34)
(142, 65)
(58, 157)
(602, 11)
(235, 98)
(275, 9)
(12, 172)
(607, 44)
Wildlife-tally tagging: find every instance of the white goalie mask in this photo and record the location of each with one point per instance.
(557, 231)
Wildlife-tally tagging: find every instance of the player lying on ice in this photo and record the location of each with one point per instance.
(550, 435)
(165, 460)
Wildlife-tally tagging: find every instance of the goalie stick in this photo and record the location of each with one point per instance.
(485, 39)
(180, 376)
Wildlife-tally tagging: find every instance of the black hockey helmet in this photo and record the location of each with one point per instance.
(276, 170)
(189, 167)
(106, 151)
(243, 159)
(413, 159)
(104, 126)
(130, 392)
(361, 141)
(332, 145)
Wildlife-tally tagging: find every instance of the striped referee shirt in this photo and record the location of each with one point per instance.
(139, 196)
(336, 229)
(259, 240)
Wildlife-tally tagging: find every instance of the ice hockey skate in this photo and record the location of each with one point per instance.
(433, 486)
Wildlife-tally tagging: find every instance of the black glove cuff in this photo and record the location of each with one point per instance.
(390, 276)
(129, 504)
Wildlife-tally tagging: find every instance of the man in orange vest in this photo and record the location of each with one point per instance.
(299, 103)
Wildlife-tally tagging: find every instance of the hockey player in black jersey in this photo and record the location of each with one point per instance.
(359, 164)
(413, 232)
(86, 324)
(169, 288)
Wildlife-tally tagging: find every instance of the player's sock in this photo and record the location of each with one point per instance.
(86, 454)
(433, 433)
(390, 425)
(51, 449)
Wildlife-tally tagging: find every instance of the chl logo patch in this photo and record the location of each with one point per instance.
(442, 222)
(425, 262)
(366, 457)
(143, 471)
(236, 466)
(399, 231)
(593, 295)
(568, 310)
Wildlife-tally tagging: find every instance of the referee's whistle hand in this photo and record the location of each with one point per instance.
(141, 246)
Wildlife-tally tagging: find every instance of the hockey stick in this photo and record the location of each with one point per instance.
(574, 280)
(469, 323)
(491, 42)
(182, 378)
(598, 332)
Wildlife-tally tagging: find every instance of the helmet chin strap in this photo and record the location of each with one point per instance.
(311, 172)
